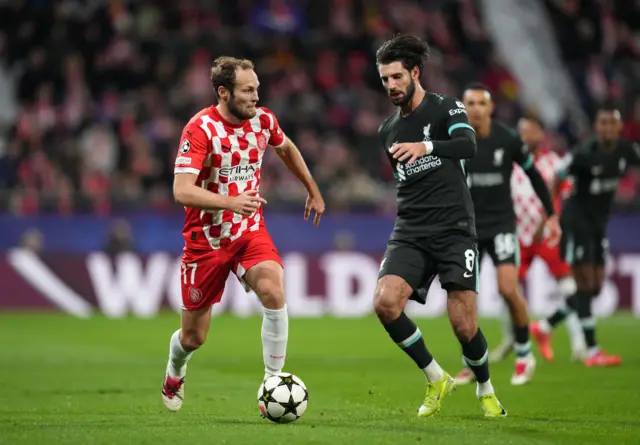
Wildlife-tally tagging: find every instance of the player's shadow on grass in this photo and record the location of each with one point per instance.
(100, 391)
(620, 423)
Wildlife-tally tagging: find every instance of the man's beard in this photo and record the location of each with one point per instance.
(411, 90)
(236, 112)
(609, 144)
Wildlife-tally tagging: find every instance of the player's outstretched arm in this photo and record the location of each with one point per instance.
(188, 194)
(522, 156)
(462, 142)
(292, 158)
(461, 146)
(541, 189)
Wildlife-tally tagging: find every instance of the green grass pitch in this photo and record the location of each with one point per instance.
(97, 381)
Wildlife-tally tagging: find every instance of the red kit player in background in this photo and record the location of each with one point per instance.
(217, 178)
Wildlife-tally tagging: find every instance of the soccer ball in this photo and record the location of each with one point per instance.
(282, 398)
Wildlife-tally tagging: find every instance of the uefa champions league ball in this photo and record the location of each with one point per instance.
(282, 398)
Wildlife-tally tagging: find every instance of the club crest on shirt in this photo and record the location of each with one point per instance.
(498, 155)
(426, 131)
(262, 141)
(185, 147)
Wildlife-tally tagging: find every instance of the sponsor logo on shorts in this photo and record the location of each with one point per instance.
(195, 295)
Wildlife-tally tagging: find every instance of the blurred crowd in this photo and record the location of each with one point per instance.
(94, 93)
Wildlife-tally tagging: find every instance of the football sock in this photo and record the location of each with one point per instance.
(506, 324)
(178, 357)
(587, 321)
(433, 372)
(275, 333)
(562, 312)
(407, 335)
(522, 345)
(566, 288)
(475, 355)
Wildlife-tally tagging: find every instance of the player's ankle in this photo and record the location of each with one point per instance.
(545, 326)
(484, 389)
(433, 372)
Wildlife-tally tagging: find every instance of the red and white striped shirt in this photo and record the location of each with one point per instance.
(527, 205)
(227, 159)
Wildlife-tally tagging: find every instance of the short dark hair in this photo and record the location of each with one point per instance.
(406, 49)
(608, 105)
(477, 86)
(533, 117)
(223, 72)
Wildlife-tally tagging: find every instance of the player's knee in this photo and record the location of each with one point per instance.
(271, 294)
(586, 286)
(508, 290)
(190, 340)
(386, 309)
(508, 281)
(465, 329)
(387, 303)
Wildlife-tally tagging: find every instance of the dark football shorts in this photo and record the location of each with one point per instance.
(451, 256)
(583, 243)
(503, 248)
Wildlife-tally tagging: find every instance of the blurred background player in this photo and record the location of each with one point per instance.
(489, 179)
(530, 218)
(596, 168)
(426, 140)
(217, 178)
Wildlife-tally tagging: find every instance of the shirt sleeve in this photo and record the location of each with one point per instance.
(456, 118)
(192, 151)
(633, 156)
(276, 135)
(462, 137)
(571, 165)
(521, 154)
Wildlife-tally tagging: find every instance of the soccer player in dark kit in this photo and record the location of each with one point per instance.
(489, 180)
(596, 169)
(427, 140)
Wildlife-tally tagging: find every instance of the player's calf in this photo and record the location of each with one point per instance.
(461, 306)
(180, 351)
(506, 345)
(267, 281)
(509, 288)
(392, 293)
(183, 343)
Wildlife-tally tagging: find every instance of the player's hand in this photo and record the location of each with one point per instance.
(408, 151)
(540, 232)
(247, 203)
(314, 203)
(552, 227)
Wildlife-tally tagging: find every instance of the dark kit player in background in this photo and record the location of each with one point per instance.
(427, 140)
(596, 169)
(489, 180)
